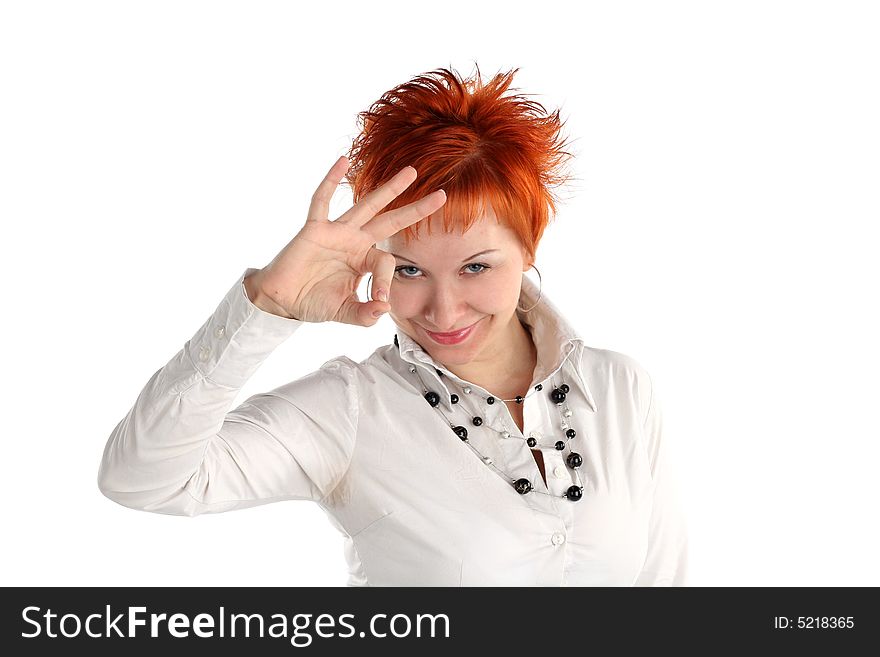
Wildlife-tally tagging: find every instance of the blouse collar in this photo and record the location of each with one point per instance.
(556, 340)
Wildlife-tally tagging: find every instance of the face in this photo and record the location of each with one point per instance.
(439, 285)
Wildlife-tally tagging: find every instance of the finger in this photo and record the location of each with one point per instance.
(319, 208)
(361, 313)
(381, 264)
(371, 204)
(385, 225)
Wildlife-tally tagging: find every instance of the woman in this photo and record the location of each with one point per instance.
(487, 445)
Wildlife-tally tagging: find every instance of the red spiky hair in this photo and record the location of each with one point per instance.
(465, 137)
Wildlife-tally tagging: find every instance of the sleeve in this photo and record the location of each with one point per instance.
(666, 563)
(181, 451)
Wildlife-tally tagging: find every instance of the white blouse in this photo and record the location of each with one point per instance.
(416, 505)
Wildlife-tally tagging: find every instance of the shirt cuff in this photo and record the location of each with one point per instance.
(237, 337)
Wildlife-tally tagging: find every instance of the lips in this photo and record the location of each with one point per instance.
(453, 337)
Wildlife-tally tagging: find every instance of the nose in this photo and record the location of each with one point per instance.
(446, 309)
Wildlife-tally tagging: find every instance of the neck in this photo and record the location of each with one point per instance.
(509, 369)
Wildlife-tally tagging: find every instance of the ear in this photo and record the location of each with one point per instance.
(527, 259)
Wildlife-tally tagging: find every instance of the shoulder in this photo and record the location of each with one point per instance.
(345, 371)
(613, 363)
(334, 384)
(618, 374)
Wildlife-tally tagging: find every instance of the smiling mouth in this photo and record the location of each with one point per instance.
(452, 334)
(454, 337)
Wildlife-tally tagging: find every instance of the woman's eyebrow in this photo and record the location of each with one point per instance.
(465, 260)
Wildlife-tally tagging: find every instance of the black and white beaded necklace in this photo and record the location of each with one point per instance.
(521, 485)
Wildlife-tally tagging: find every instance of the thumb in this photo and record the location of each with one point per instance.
(381, 265)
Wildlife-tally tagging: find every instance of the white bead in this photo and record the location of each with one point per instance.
(506, 434)
(564, 426)
(412, 368)
(567, 412)
(467, 390)
(487, 460)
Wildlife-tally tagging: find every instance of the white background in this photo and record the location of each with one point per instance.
(722, 230)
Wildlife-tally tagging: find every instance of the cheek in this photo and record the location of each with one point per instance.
(501, 293)
(404, 302)
(498, 296)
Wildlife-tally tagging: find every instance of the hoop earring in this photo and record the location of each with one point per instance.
(540, 291)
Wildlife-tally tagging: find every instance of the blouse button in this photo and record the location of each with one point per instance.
(220, 331)
(204, 353)
(558, 538)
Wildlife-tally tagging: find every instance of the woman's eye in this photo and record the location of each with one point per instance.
(406, 267)
(402, 268)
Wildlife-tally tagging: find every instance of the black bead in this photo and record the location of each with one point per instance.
(490, 400)
(522, 486)
(574, 493)
(571, 433)
(461, 431)
(478, 421)
(453, 398)
(519, 400)
(396, 343)
(532, 442)
(539, 387)
(433, 398)
(575, 460)
(560, 445)
(564, 388)
(557, 396)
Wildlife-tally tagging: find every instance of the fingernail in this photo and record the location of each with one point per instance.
(378, 313)
(382, 294)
